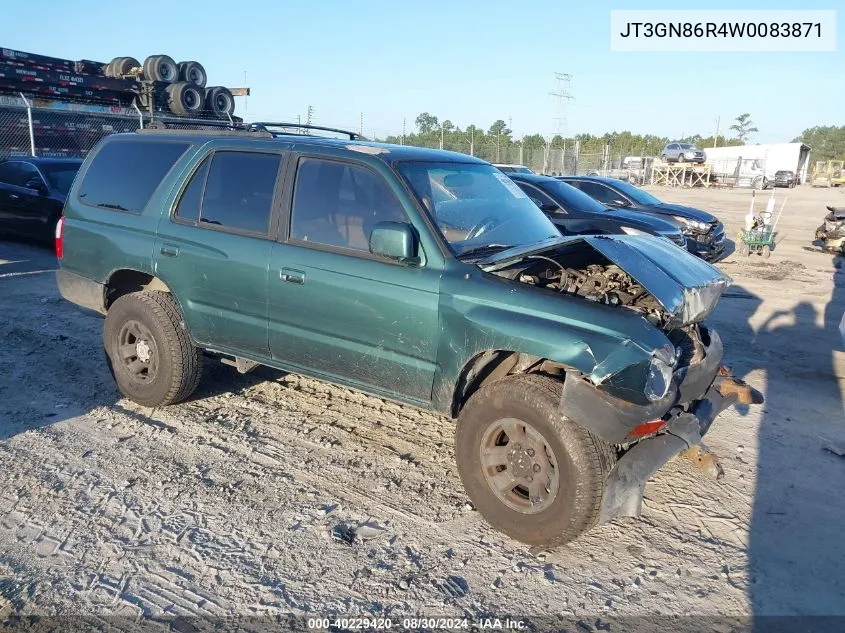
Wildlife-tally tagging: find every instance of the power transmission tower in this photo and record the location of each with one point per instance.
(563, 97)
(308, 118)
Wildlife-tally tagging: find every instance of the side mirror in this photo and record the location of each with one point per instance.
(394, 240)
(36, 185)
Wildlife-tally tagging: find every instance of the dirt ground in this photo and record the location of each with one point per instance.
(227, 504)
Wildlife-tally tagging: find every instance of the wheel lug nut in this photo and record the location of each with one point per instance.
(530, 452)
(536, 468)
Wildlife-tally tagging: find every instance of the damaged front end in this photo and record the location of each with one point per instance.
(832, 232)
(657, 403)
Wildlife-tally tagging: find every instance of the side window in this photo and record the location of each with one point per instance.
(537, 197)
(125, 174)
(27, 174)
(339, 204)
(599, 192)
(9, 172)
(239, 190)
(189, 204)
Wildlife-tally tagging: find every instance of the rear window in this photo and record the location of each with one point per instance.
(125, 174)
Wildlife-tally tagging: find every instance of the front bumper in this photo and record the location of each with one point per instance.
(698, 394)
(708, 246)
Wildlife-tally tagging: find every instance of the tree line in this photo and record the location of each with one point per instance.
(827, 142)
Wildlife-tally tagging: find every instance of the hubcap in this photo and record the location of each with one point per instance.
(519, 466)
(136, 351)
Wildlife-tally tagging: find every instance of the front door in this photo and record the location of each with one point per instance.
(335, 309)
(215, 248)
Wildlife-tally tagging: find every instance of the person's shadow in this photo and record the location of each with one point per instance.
(796, 545)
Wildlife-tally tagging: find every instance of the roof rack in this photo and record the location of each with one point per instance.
(263, 125)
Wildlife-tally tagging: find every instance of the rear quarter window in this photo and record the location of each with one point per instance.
(124, 174)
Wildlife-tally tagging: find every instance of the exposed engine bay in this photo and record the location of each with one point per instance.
(666, 284)
(607, 284)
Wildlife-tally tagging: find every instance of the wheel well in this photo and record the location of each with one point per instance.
(122, 282)
(493, 365)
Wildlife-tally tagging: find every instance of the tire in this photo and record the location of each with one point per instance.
(192, 72)
(120, 66)
(767, 251)
(744, 249)
(663, 158)
(172, 363)
(161, 68)
(219, 101)
(184, 98)
(681, 158)
(582, 461)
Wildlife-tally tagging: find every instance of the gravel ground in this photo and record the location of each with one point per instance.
(238, 501)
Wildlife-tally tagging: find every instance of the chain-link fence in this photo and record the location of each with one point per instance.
(69, 129)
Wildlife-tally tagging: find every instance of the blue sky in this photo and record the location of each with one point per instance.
(471, 61)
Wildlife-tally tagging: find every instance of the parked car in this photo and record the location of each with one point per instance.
(512, 169)
(573, 212)
(575, 366)
(784, 178)
(704, 232)
(682, 153)
(32, 194)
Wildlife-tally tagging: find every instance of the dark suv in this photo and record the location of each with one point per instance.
(575, 366)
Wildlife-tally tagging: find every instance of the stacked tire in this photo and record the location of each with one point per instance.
(181, 87)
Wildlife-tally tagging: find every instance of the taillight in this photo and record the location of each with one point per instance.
(60, 225)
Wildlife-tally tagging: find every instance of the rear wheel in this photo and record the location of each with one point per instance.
(767, 251)
(744, 249)
(148, 349)
(681, 158)
(533, 474)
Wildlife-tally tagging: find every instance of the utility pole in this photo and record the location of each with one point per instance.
(441, 136)
(246, 97)
(716, 138)
(361, 125)
(309, 117)
(472, 142)
(403, 132)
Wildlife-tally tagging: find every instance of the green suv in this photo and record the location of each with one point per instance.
(575, 367)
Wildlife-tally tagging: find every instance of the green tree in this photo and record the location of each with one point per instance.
(426, 123)
(499, 128)
(827, 141)
(744, 127)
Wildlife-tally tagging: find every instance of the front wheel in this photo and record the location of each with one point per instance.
(681, 158)
(532, 473)
(150, 355)
(767, 251)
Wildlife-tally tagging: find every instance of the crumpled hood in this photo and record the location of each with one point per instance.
(686, 286)
(686, 212)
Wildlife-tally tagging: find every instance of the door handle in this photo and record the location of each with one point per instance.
(292, 276)
(170, 251)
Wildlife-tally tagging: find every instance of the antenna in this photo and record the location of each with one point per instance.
(563, 97)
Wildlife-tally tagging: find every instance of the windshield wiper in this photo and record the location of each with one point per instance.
(484, 250)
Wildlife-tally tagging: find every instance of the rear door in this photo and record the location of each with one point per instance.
(34, 201)
(214, 248)
(336, 310)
